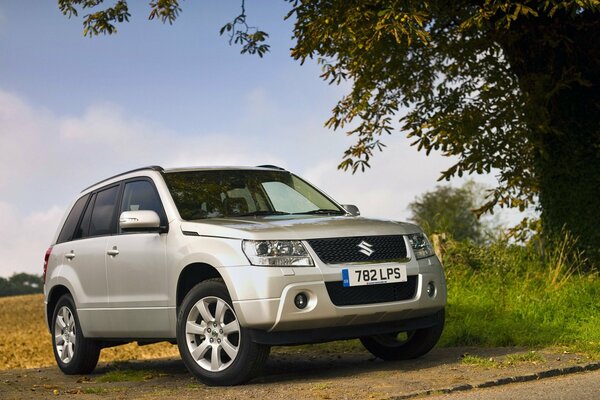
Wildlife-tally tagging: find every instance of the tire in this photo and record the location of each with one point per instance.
(213, 345)
(74, 353)
(405, 345)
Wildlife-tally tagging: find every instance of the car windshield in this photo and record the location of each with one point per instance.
(242, 193)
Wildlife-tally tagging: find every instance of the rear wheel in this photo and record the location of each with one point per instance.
(404, 345)
(74, 353)
(212, 343)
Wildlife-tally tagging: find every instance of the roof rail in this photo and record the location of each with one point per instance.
(270, 166)
(151, 167)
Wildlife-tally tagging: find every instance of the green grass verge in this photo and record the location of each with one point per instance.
(505, 295)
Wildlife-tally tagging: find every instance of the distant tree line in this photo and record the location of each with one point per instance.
(21, 284)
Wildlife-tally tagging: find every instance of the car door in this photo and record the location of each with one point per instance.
(136, 269)
(86, 256)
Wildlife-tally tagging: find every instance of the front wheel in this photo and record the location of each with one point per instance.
(404, 345)
(212, 343)
(74, 353)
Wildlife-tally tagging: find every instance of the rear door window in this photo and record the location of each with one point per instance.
(102, 221)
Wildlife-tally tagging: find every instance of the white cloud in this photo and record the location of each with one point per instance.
(45, 159)
(397, 176)
(37, 147)
(25, 237)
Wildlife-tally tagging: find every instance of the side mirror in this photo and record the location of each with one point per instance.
(141, 220)
(352, 209)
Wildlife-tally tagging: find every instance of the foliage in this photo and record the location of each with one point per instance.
(447, 209)
(443, 67)
(21, 283)
(250, 38)
(505, 86)
(103, 20)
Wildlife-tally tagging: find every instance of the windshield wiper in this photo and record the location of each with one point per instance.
(262, 212)
(323, 211)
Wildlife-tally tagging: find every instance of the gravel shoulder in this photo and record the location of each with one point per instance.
(302, 373)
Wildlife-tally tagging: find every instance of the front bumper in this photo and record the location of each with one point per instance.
(318, 335)
(263, 298)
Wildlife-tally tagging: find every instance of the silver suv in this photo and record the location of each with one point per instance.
(227, 262)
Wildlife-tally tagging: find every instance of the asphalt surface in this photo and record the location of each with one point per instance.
(579, 386)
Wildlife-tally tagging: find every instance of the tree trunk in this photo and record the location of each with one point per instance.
(557, 61)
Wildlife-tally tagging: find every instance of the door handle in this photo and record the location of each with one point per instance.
(70, 255)
(113, 252)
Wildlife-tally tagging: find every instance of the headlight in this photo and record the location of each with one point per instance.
(278, 253)
(420, 245)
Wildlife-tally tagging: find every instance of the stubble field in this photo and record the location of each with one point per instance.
(25, 341)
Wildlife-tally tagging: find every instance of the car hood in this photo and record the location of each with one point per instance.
(298, 227)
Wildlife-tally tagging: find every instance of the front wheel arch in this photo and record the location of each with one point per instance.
(190, 276)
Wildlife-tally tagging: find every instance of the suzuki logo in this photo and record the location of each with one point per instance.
(365, 248)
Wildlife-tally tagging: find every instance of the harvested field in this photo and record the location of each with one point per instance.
(26, 341)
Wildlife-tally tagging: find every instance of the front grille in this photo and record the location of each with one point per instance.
(371, 294)
(346, 249)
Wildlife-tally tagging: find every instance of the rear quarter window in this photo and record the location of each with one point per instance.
(70, 224)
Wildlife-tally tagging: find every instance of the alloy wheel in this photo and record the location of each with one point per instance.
(213, 334)
(65, 334)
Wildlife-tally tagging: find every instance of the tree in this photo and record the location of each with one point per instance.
(447, 209)
(507, 86)
(21, 283)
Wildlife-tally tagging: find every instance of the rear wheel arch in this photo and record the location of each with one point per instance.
(55, 294)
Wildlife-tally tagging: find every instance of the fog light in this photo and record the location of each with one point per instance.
(301, 300)
(430, 289)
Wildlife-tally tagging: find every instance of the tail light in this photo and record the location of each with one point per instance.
(46, 258)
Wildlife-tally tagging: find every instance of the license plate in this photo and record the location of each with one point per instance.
(361, 276)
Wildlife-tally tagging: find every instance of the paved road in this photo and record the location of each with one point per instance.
(581, 386)
(302, 374)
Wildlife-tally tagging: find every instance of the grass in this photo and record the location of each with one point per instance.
(507, 295)
(530, 356)
(321, 386)
(127, 375)
(511, 359)
(479, 361)
(95, 390)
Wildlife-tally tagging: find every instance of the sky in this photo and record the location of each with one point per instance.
(75, 110)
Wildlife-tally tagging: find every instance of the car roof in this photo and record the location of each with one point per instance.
(185, 169)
